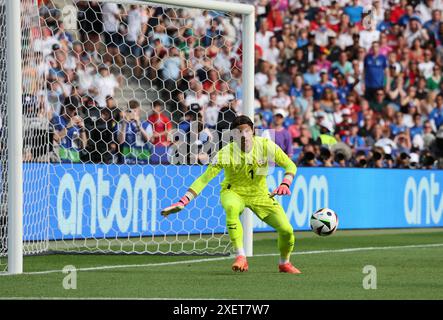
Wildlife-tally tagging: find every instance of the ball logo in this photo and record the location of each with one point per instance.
(426, 198)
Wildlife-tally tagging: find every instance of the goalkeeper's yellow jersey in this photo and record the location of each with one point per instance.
(245, 173)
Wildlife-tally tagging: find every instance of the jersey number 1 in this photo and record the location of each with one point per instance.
(252, 173)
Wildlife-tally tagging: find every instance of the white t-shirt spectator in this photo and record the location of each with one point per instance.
(45, 45)
(210, 114)
(222, 99)
(105, 87)
(223, 63)
(263, 39)
(171, 68)
(426, 68)
(136, 18)
(85, 79)
(201, 22)
(411, 36)
(268, 89)
(344, 40)
(281, 102)
(260, 79)
(110, 22)
(271, 55)
(425, 12)
(70, 63)
(322, 36)
(367, 37)
(202, 100)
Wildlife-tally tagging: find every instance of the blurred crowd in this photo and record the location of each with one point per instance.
(347, 83)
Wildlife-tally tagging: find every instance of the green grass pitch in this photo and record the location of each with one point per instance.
(408, 262)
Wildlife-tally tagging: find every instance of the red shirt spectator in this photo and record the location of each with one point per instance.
(397, 12)
(161, 124)
(275, 20)
(213, 82)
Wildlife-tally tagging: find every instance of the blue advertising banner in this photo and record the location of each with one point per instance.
(87, 200)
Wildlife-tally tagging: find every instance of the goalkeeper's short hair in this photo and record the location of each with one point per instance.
(239, 120)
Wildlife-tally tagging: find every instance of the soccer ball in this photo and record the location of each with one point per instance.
(324, 222)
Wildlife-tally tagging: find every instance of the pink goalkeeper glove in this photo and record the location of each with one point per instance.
(283, 188)
(176, 207)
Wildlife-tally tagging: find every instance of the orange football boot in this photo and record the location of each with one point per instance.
(288, 268)
(240, 264)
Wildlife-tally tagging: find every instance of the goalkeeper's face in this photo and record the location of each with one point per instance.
(243, 136)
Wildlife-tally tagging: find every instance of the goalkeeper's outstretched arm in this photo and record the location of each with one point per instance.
(282, 160)
(194, 190)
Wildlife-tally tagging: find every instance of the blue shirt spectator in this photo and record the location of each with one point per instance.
(375, 65)
(70, 134)
(267, 115)
(354, 11)
(134, 136)
(295, 92)
(415, 130)
(436, 116)
(320, 87)
(418, 127)
(384, 26)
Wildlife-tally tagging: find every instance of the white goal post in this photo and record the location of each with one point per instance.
(14, 121)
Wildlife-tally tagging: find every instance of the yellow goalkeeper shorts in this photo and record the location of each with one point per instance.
(262, 206)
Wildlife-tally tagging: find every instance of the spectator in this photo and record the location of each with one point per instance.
(211, 110)
(375, 66)
(432, 26)
(311, 51)
(161, 124)
(102, 146)
(113, 39)
(326, 158)
(282, 99)
(307, 157)
(322, 33)
(69, 133)
(398, 126)
(105, 84)
(368, 37)
(354, 11)
(299, 62)
(134, 136)
(426, 67)
(326, 133)
(282, 137)
(352, 139)
(135, 36)
(433, 82)
(425, 9)
(272, 52)
(415, 31)
(264, 35)
(90, 25)
(377, 158)
(417, 128)
(322, 85)
(226, 116)
(436, 115)
(343, 65)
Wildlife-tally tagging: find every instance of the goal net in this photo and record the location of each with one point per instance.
(123, 103)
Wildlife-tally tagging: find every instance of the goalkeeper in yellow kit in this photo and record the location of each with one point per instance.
(245, 161)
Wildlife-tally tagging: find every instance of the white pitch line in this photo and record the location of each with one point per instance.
(101, 298)
(226, 258)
